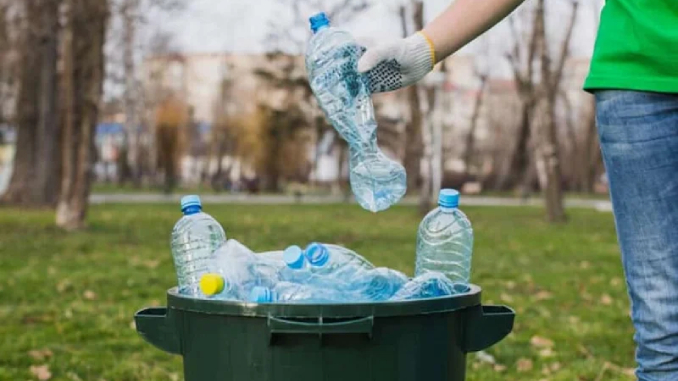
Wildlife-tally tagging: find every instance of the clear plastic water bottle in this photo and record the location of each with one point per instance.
(429, 285)
(286, 292)
(322, 263)
(237, 270)
(378, 284)
(194, 238)
(343, 94)
(445, 240)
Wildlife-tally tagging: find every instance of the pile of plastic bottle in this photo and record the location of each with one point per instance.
(209, 265)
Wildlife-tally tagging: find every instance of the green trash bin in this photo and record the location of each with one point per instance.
(384, 341)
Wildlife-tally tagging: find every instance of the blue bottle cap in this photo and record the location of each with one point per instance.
(294, 257)
(448, 198)
(317, 254)
(190, 201)
(319, 21)
(261, 295)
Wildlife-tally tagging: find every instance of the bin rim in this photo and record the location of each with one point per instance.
(348, 310)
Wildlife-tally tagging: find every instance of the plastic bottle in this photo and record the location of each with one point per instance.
(343, 94)
(194, 238)
(322, 263)
(286, 292)
(378, 284)
(445, 240)
(429, 285)
(237, 270)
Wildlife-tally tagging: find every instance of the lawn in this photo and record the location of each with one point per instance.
(67, 300)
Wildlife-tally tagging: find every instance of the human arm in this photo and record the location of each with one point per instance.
(401, 63)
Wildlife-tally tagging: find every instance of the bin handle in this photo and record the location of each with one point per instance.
(285, 326)
(158, 326)
(486, 326)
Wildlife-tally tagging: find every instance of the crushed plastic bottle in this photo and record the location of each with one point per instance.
(378, 284)
(237, 271)
(343, 94)
(445, 240)
(322, 263)
(194, 238)
(429, 285)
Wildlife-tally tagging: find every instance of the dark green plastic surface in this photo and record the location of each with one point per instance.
(405, 341)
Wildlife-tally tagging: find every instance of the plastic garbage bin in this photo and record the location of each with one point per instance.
(384, 341)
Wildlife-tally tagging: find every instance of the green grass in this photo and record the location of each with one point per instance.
(108, 188)
(71, 297)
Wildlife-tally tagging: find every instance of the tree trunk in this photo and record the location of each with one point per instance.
(550, 157)
(130, 8)
(591, 152)
(470, 137)
(414, 146)
(82, 86)
(520, 158)
(34, 178)
(429, 96)
(551, 81)
(342, 184)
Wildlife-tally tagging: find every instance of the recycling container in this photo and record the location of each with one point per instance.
(421, 340)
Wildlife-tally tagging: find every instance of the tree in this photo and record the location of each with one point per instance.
(223, 133)
(590, 159)
(82, 86)
(36, 165)
(414, 145)
(469, 152)
(171, 119)
(9, 46)
(129, 11)
(282, 123)
(551, 80)
(132, 14)
(522, 60)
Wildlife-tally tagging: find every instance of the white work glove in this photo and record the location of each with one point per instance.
(398, 64)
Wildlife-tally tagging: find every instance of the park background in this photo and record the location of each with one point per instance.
(110, 110)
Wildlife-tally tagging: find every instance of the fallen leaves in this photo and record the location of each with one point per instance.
(543, 295)
(89, 295)
(499, 368)
(506, 298)
(41, 372)
(524, 365)
(541, 342)
(64, 285)
(606, 300)
(40, 354)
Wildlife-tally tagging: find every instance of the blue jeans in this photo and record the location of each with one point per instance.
(638, 134)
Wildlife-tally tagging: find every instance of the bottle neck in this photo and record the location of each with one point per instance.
(447, 209)
(320, 28)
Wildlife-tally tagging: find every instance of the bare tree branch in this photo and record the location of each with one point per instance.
(533, 47)
(565, 47)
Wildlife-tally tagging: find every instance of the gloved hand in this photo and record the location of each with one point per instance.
(398, 64)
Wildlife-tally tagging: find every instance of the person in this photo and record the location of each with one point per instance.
(634, 78)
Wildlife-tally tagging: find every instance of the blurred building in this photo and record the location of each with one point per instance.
(201, 79)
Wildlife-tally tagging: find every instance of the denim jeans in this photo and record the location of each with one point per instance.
(638, 134)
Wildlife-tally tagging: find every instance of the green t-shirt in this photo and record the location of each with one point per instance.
(636, 47)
